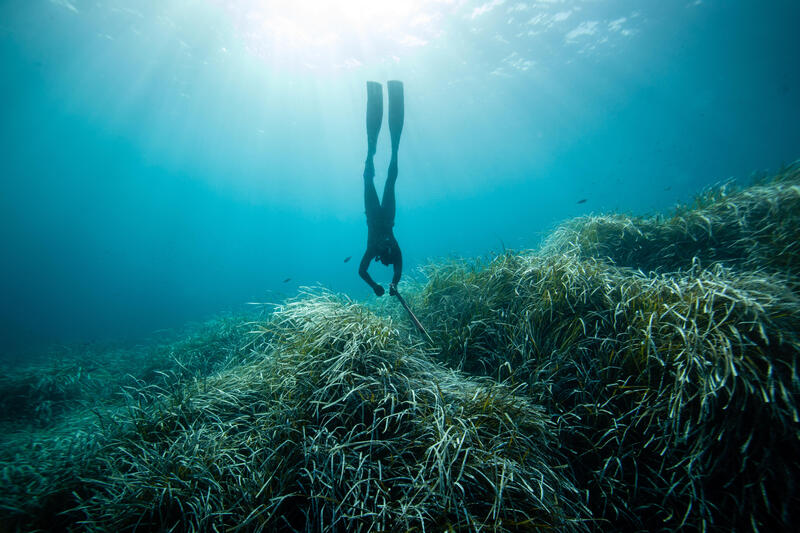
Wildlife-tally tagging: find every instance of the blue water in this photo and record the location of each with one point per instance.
(163, 161)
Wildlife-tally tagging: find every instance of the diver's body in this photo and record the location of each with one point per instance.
(381, 244)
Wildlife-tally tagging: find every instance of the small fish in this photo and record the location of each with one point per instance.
(346, 259)
(287, 280)
(582, 201)
(667, 188)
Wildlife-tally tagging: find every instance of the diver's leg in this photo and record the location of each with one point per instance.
(388, 201)
(371, 205)
(374, 119)
(396, 116)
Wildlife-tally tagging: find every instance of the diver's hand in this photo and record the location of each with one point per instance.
(392, 289)
(378, 290)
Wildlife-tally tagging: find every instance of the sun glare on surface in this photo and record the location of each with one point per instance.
(320, 34)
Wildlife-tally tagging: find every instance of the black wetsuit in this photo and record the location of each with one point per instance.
(381, 244)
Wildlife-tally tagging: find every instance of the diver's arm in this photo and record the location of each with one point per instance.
(362, 271)
(398, 267)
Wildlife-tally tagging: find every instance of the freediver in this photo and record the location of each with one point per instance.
(381, 244)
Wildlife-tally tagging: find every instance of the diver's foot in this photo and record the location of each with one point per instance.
(369, 169)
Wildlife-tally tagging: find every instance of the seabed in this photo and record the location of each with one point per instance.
(631, 374)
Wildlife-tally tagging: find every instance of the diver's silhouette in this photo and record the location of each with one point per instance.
(381, 243)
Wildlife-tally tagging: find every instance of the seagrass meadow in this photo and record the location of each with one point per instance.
(631, 374)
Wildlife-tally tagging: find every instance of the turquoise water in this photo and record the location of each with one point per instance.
(163, 161)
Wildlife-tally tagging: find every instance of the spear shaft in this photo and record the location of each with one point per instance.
(414, 318)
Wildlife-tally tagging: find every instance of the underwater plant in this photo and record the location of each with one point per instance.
(603, 382)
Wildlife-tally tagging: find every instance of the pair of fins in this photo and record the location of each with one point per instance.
(375, 113)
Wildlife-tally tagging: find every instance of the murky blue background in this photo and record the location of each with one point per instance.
(162, 161)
